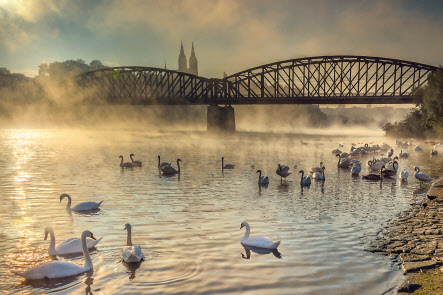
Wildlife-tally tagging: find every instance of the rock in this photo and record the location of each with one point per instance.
(413, 257)
(416, 266)
(409, 288)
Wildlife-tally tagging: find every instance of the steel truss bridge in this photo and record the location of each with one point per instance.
(337, 79)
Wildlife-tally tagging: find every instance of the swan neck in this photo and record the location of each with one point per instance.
(121, 161)
(246, 236)
(259, 176)
(159, 162)
(131, 158)
(68, 206)
(178, 164)
(128, 238)
(88, 261)
(52, 242)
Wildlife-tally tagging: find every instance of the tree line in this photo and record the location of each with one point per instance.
(426, 119)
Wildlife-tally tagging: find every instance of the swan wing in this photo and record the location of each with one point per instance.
(169, 170)
(74, 245)
(261, 242)
(132, 254)
(264, 180)
(86, 206)
(52, 270)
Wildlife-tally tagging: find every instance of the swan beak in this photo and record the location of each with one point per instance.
(92, 237)
(241, 226)
(46, 236)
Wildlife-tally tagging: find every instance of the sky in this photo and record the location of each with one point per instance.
(228, 35)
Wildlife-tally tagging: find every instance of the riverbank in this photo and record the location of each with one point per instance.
(416, 239)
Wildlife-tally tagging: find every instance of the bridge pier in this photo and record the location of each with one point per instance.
(221, 118)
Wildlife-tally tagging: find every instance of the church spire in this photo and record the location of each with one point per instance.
(193, 64)
(182, 62)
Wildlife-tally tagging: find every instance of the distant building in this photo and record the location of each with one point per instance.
(183, 63)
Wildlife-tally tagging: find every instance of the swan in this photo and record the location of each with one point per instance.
(162, 164)
(389, 172)
(356, 168)
(227, 166)
(135, 163)
(169, 170)
(336, 151)
(317, 169)
(390, 165)
(57, 269)
(305, 180)
(404, 175)
(374, 176)
(262, 179)
(282, 171)
(390, 153)
(126, 164)
(385, 160)
(345, 163)
(256, 241)
(418, 148)
(131, 253)
(434, 152)
(403, 155)
(375, 166)
(423, 177)
(70, 246)
(302, 142)
(83, 206)
(318, 175)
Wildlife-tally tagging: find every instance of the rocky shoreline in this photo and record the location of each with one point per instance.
(415, 237)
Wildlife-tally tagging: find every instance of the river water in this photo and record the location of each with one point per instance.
(189, 225)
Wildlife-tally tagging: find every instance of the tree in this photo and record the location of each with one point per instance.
(43, 70)
(5, 71)
(96, 65)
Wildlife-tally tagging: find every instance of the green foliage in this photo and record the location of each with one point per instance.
(426, 120)
(5, 71)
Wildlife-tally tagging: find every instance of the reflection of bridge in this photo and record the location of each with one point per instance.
(310, 80)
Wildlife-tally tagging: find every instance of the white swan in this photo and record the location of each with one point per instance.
(259, 242)
(375, 166)
(318, 175)
(227, 166)
(57, 269)
(282, 171)
(126, 164)
(404, 175)
(131, 253)
(345, 163)
(135, 163)
(169, 170)
(356, 169)
(83, 206)
(305, 180)
(403, 155)
(317, 169)
(423, 177)
(162, 164)
(262, 179)
(70, 246)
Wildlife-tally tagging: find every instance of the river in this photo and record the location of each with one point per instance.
(189, 225)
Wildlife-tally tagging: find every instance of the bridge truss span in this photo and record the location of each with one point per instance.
(331, 79)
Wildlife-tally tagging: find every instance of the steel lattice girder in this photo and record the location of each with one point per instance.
(322, 79)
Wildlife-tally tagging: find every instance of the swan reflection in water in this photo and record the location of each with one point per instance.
(132, 267)
(89, 281)
(260, 251)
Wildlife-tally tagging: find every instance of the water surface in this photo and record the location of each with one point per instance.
(188, 225)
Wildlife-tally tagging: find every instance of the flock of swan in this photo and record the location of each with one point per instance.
(132, 253)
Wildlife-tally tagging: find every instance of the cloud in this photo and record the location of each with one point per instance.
(12, 35)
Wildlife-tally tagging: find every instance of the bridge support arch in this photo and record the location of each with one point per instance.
(220, 118)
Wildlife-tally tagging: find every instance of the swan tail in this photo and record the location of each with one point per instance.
(96, 242)
(99, 206)
(275, 245)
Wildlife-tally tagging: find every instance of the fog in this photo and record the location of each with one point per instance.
(62, 105)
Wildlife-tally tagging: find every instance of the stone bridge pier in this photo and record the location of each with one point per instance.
(220, 118)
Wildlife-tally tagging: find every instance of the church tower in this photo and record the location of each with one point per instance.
(182, 62)
(193, 64)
